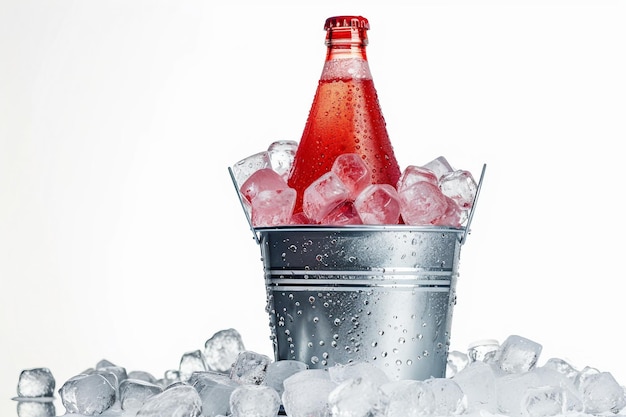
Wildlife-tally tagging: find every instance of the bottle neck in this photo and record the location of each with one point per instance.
(345, 54)
(346, 43)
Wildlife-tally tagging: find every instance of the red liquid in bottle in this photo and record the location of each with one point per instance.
(345, 116)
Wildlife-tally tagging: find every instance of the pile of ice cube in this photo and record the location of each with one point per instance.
(431, 194)
(224, 379)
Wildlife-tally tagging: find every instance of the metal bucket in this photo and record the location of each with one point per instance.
(381, 294)
(378, 294)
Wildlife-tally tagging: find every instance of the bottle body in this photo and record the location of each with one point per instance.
(345, 116)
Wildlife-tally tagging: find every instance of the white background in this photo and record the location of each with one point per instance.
(120, 233)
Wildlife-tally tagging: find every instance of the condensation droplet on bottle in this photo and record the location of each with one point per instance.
(337, 322)
(398, 362)
(384, 354)
(316, 319)
(311, 299)
(409, 362)
(401, 340)
(314, 360)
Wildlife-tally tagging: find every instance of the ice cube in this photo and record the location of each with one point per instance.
(510, 389)
(178, 400)
(261, 180)
(323, 195)
(273, 207)
(221, 349)
(408, 398)
(103, 363)
(601, 394)
(413, 174)
(87, 394)
(460, 186)
(571, 400)
(278, 371)
(249, 368)
(254, 401)
(456, 361)
(249, 165)
(543, 401)
(142, 376)
(448, 397)
(356, 397)
(563, 367)
(353, 173)
(306, 393)
(340, 373)
(282, 153)
(133, 393)
(517, 354)
(300, 218)
(439, 166)
(191, 362)
(483, 350)
(36, 382)
(422, 204)
(343, 214)
(452, 216)
(36, 409)
(171, 376)
(378, 204)
(478, 382)
(214, 389)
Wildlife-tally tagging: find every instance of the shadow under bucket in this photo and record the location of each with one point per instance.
(381, 294)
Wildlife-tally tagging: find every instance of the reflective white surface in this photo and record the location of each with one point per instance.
(120, 234)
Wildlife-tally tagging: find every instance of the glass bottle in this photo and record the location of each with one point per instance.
(345, 116)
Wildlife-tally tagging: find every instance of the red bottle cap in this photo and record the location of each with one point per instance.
(358, 22)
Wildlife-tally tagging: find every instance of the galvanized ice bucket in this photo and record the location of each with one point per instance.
(380, 294)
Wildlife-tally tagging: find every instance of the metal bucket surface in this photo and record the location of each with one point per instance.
(381, 294)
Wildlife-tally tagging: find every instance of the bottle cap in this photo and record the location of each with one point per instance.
(358, 22)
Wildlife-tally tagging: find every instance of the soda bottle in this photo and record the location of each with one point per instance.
(345, 116)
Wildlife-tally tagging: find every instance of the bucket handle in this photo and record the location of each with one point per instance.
(471, 213)
(463, 238)
(243, 206)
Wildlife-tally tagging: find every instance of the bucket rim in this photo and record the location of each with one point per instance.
(359, 227)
